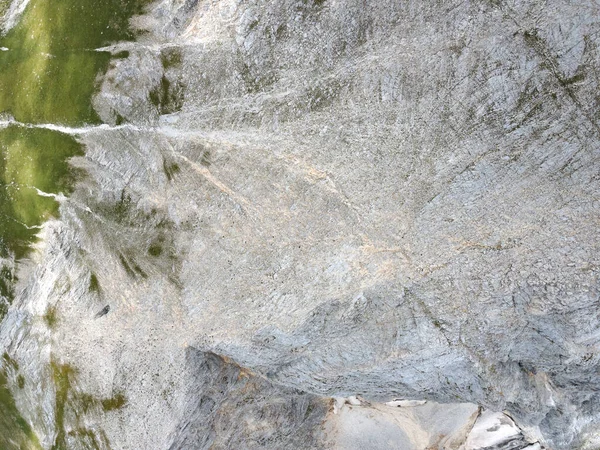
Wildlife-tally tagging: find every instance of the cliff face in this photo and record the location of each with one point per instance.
(298, 200)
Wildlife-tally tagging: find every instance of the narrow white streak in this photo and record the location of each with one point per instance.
(6, 123)
(69, 130)
(122, 46)
(81, 130)
(57, 197)
(32, 227)
(165, 128)
(3, 49)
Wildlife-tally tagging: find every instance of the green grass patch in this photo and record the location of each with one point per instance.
(131, 267)
(121, 55)
(51, 317)
(48, 75)
(156, 248)
(49, 72)
(4, 5)
(88, 439)
(94, 283)
(171, 168)
(113, 403)
(66, 398)
(15, 431)
(9, 362)
(171, 57)
(62, 375)
(167, 97)
(7, 280)
(31, 159)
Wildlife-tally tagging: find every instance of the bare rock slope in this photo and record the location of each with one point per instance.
(390, 199)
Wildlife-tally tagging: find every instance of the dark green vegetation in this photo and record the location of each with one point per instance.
(31, 158)
(139, 230)
(167, 97)
(62, 375)
(170, 169)
(131, 267)
(94, 283)
(20, 381)
(68, 399)
(7, 293)
(48, 75)
(171, 57)
(15, 432)
(113, 403)
(156, 247)
(49, 72)
(51, 317)
(4, 5)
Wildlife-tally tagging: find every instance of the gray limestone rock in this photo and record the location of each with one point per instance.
(227, 407)
(375, 198)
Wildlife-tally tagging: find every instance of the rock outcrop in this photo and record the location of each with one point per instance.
(299, 200)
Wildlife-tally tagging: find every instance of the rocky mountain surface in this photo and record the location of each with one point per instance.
(297, 216)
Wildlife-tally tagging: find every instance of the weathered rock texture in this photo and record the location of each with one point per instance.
(382, 198)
